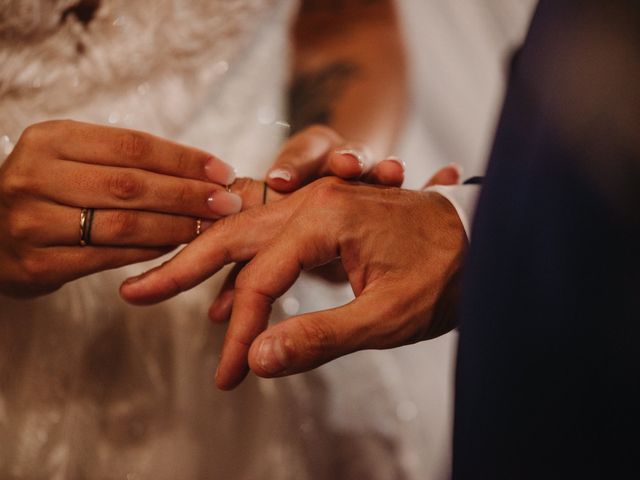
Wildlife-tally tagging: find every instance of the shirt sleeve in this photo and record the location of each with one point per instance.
(464, 199)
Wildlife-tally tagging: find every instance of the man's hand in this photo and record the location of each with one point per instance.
(402, 251)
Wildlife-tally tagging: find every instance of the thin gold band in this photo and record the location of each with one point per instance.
(83, 225)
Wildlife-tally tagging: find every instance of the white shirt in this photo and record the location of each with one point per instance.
(464, 199)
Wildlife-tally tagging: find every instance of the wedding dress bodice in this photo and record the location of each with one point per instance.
(93, 388)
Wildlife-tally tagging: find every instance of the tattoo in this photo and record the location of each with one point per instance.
(312, 95)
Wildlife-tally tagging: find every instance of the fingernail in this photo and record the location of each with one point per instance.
(354, 153)
(399, 161)
(272, 356)
(219, 172)
(280, 174)
(224, 203)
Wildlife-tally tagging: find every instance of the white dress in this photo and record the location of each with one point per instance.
(91, 387)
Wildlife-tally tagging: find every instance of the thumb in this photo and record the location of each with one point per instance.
(307, 341)
(449, 175)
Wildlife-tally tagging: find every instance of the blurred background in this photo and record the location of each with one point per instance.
(459, 53)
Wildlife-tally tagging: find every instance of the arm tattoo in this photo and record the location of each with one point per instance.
(312, 95)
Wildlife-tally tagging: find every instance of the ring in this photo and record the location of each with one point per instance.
(264, 193)
(86, 221)
(198, 227)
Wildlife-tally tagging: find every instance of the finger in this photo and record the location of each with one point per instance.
(265, 278)
(98, 186)
(302, 159)
(307, 341)
(253, 193)
(350, 161)
(449, 175)
(60, 265)
(117, 147)
(220, 310)
(58, 225)
(388, 172)
(249, 317)
(233, 239)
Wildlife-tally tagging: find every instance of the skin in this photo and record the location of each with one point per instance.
(346, 53)
(402, 251)
(149, 191)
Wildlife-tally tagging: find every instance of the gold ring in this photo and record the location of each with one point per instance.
(198, 227)
(86, 222)
(228, 187)
(83, 224)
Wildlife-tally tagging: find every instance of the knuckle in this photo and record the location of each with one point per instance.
(19, 226)
(17, 182)
(328, 190)
(33, 134)
(124, 225)
(34, 268)
(14, 185)
(124, 186)
(41, 132)
(133, 145)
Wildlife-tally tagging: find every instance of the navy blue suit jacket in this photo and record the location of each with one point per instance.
(548, 374)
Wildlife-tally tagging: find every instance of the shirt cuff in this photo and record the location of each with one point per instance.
(464, 199)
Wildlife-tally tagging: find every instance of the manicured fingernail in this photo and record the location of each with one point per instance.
(281, 174)
(219, 172)
(355, 153)
(224, 203)
(399, 161)
(272, 356)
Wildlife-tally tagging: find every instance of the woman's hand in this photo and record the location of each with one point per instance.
(149, 195)
(147, 192)
(319, 151)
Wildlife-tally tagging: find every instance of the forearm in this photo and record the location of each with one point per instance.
(349, 71)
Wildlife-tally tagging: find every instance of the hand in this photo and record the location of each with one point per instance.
(220, 311)
(318, 151)
(148, 193)
(402, 251)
